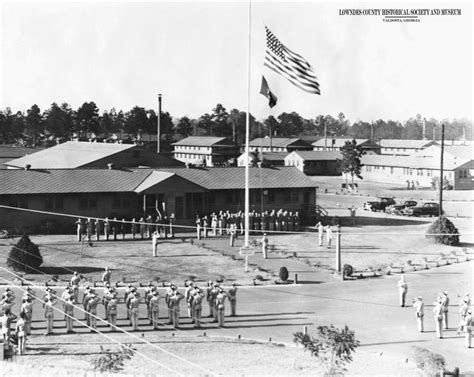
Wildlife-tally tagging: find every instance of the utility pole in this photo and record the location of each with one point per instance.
(158, 131)
(441, 178)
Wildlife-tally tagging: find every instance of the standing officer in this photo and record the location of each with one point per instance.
(463, 310)
(320, 227)
(154, 308)
(149, 226)
(69, 310)
(232, 293)
(123, 228)
(142, 227)
(209, 298)
(89, 227)
(402, 290)
(88, 295)
(80, 229)
(27, 308)
(75, 280)
(154, 242)
(106, 228)
(445, 303)
(264, 242)
(112, 310)
(148, 295)
(115, 226)
(134, 228)
(174, 303)
(198, 227)
(48, 306)
(232, 234)
(468, 328)
(438, 317)
(420, 312)
(328, 236)
(20, 330)
(220, 300)
(106, 276)
(134, 306)
(197, 306)
(272, 218)
(169, 293)
(92, 304)
(188, 297)
(98, 229)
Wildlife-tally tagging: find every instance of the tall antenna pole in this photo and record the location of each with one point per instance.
(441, 173)
(247, 137)
(158, 125)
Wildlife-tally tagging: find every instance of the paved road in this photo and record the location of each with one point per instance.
(368, 306)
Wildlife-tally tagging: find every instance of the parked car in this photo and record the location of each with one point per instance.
(379, 205)
(425, 209)
(396, 209)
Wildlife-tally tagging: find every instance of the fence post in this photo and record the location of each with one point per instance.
(338, 248)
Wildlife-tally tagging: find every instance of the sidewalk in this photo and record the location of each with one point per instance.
(276, 259)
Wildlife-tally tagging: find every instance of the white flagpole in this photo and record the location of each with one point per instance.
(247, 136)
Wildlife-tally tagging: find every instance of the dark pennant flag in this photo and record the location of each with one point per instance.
(265, 90)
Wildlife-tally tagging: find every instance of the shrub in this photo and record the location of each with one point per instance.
(431, 363)
(443, 231)
(25, 256)
(113, 361)
(347, 270)
(283, 274)
(332, 347)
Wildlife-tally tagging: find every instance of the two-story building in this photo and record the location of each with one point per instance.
(278, 144)
(400, 147)
(422, 168)
(84, 154)
(204, 150)
(333, 144)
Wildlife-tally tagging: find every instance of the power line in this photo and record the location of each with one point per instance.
(194, 228)
(91, 328)
(110, 324)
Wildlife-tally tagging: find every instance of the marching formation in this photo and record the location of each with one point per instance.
(133, 302)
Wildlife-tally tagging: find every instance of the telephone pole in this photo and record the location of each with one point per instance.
(158, 132)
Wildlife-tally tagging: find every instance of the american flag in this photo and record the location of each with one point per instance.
(290, 65)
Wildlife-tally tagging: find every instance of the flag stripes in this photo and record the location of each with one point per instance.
(290, 65)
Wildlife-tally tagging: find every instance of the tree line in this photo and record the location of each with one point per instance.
(58, 123)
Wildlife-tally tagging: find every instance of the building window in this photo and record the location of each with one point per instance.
(52, 202)
(295, 197)
(391, 170)
(306, 197)
(410, 171)
(286, 196)
(271, 196)
(87, 201)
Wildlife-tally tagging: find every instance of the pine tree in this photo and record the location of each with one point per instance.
(351, 155)
(25, 256)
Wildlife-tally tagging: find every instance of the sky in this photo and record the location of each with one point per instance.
(196, 54)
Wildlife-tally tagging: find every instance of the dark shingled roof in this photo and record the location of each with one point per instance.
(227, 178)
(16, 181)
